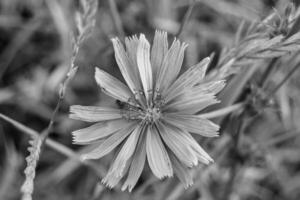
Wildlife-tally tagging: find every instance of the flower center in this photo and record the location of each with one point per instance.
(152, 115)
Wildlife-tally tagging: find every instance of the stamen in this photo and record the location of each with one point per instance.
(152, 115)
(140, 97)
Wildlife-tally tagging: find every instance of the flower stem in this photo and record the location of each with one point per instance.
(222, 111)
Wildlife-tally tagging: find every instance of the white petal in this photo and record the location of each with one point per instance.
(109, 144)
(213, 87)
(126, 66)
(144, 66)
(190, 103)
(137, 165)
(170, 67)
(184, 137)
(193, 124)
(158, 51)
(131, 44)
(157, 156)
(182, 172)
(94, 113)
(131, 49)
(188, 79)
(201, 153)
(98, 131)
(178, 144)
(113, 87)
(112, 179)
(127, 151)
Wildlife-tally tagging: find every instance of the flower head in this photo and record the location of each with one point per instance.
(158, 113)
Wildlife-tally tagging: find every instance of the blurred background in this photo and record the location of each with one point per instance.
(257, 155)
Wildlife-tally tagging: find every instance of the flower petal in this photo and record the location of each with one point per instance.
(183, 139)
(131, 44)
(158, 51)
(213, 87)
(182, 172)
(188, 79)
(98, 131)
(201, 153)
(137, 165)
(113, 87)
(191, 102)
(170, 67)
(127, 151)
(193, 124)
(112, 179)
(94, 113)
(126, 67)
(157, 156)
(109, 144)
(178, 144)
(144, 66)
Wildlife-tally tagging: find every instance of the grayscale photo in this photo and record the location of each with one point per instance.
(149, 100)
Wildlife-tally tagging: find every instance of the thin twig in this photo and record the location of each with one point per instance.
(268, 71)
(60, 148)
(222, 111)
(283, 80)
(186, 18)
(116, 18)
(239, 119)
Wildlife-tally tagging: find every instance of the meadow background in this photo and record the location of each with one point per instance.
(257, 155)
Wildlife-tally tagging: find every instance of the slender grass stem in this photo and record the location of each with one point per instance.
(116, 18)
(186, 18)
(284, 80)
(222, 111)
(60, 148)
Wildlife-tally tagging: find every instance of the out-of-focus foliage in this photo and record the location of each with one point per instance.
(257, 153)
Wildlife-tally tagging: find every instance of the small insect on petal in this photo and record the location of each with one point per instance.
(157, 156)
(157, 114)
(144, 66)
